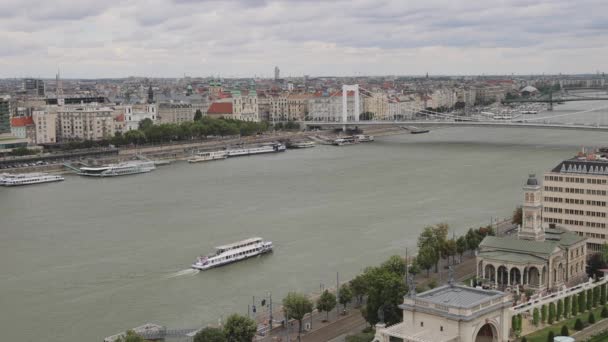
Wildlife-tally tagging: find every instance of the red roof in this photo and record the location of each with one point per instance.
(220, 108)
(22, 121)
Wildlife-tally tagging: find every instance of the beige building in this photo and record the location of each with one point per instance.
(575, 197)
(46, 126)
(86, 122)
(245, 106)
(175, 112)
(279, 108)
(377, 103)
(297, 106)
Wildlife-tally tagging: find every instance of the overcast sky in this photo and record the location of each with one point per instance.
(170, 38)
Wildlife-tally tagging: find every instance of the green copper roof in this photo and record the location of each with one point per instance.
(516, 245)
(517, 258)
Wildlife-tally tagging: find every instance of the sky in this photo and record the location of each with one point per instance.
(247, 38)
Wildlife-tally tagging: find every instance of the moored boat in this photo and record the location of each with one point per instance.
(364, 138)
(345, 141)
(246, 151)
(207, 156)
(8, 179)
(120, 169)
(233, 252)
(302, 144)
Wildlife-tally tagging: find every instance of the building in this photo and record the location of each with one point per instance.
(33, 86)
(538, 257)
(24, 128)
(133, 115)
(329, 108)
(451, 313)
(277, 73)
(279, 108)
(46, 126)
(377, 104)
(221, 110)
(169, 112)
(89, 122)
(574, 196)
(5, 114)
(297, 106)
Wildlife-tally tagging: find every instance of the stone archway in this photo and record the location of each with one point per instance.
(487, 333)
(533, 276)
(490, 272)
(503, 275)
(515, 276)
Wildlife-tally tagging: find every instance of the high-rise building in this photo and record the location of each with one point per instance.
(5, 113)
(277, 73)
(574, 196)
(33, 86)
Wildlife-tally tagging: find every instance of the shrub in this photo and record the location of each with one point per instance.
(578, 325)
(524, 339)
(535, 317)
(550, 336)
(605, 312)
(565, 331)
(591, 318)
(551, 313)
(543, 313)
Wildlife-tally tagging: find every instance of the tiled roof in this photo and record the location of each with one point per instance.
(517, 245)
(22, 121)
(220, 108)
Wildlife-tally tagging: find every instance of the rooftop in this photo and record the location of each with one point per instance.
(459, 296)
(585, 163)
(22, 121)
(220, 108)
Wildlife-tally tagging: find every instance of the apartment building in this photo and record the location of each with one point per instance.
(175, 112)
(88, 122)
(46, 126)
(297, 106)
(575, 197)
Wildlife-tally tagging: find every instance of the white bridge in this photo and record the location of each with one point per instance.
(420, 117)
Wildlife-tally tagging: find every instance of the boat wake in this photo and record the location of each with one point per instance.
(183, 273)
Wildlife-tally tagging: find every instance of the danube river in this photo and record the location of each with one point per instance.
(87, 258)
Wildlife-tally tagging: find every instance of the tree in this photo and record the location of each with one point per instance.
(210, 334)
(603, 294)
(517, 216)
(130, 336)
(524, 339)
(596, 295)
(535, 317)
(326, 302)
(21, 151)
(145, 124)
(591, 318)
(605, 312)
(461, 246)
(345, 295)
(578, 325)
(198, 115)
(551, 336)
(582, 306)
(574, 301)
(358, 287)
(395, 264)
(514, 323)
(239, 328)
(385, 291)
(426, 258)
(551, 313)
(565, 331)
(297, 305)
(543, 313)
(450, 249)
(567, 307)
(434, 237)
(589, 299)
(560, 310)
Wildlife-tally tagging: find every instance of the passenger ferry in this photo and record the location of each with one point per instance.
(364, 138)
(233, 252)
(8, 179)
(302, 144)
(345, 141)
(270, 148)
(120, 169)
(207, 156)
(528, 112)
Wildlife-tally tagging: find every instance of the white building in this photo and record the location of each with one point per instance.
(46, 126)
(85, 122)
(134, 115)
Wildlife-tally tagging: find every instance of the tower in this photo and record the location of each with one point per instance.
(277, 73)
(532, 227)
(150, 95)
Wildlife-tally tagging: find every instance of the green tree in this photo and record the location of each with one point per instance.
(461, 246)
(551, 336)
(198, 115)
(326, 302)
(296, 306)
(551, 313)
(21, 151)
(449, 250)
(543, 313)
(517, 216)
(567, 308)
(605, 312)
(560, 310)
(578, 325)
(524, 339)
(589, 299)
(145, 124)
(603, 294)
(582, 305)
(359, 287)
(135, 137)
(239, 328)
(591, 318)
(210, 334)
(426, 258)
(574, 302)
(565, 331)
(596, 296)
(345, 295)
(434, 237)
(535, 317)
(395, 264)
(384, 290)
(130, 336)
(514, 323)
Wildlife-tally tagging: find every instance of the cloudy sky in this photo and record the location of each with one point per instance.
(170, 38)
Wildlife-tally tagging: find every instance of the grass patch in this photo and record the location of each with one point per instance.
(601, 337)
(541, 335)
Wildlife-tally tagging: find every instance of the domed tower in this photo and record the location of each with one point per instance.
(532, 221)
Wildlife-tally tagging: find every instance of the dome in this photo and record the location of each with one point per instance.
(532, 180)
(529, 89)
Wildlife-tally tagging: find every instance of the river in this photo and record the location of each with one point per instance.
(87, 258)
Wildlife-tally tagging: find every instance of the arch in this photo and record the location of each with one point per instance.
(503, 275)
(533, 276)
(560, 272)
(490, 272)
(487, 333)
(480, 269)
(515, 276)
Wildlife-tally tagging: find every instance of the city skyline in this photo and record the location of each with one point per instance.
(239, 38)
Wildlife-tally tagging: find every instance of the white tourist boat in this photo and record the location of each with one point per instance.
(302, 144)
(207, 156)
(8, 179)
(364, 138)
(346, 141)
(233, 252)
(120, 169)
(529, 112)
(270, 148)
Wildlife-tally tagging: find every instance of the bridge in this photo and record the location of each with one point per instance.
(420, 117)
(563, 95)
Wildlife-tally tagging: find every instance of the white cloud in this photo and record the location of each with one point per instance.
(115, 38)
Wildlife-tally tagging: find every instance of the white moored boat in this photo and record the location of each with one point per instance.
(8, 179)
(270, 148)
(302, 144)
(364, 138)
(120, 169)
(233, 252)
(207, 156)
